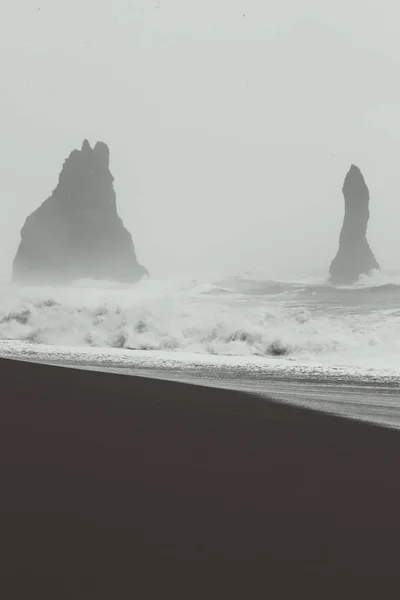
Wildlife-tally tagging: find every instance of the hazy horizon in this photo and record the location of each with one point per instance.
(231, 124)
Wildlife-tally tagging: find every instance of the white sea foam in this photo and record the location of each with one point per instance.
(242, 317)
(377, 279)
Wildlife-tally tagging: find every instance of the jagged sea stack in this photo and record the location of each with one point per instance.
(77, 233)
(354, 257)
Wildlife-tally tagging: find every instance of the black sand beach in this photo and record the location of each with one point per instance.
(106, 477)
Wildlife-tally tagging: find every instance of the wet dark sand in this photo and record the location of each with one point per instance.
(105, 478)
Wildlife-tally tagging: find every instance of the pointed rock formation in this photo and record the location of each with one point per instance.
(77, 233)
(354, 257)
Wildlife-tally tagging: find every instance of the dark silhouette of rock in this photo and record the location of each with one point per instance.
(77, 233)
(354, 257)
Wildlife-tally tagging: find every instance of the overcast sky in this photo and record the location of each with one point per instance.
(231, 123)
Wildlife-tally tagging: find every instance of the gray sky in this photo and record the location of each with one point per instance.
(231, 123)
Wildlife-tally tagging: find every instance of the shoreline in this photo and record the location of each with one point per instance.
(172, 360)
(105, 476)
(361, 395)
(167, 362)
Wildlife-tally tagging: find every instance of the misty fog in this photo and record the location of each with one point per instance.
(231, 123)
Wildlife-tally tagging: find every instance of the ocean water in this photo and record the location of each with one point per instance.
(242, 320)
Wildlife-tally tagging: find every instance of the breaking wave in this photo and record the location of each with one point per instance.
(236, 317)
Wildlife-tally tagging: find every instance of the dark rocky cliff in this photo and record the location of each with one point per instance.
(77, 233)
(354, 256)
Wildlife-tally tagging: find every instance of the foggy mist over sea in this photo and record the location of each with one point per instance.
(231, 126)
